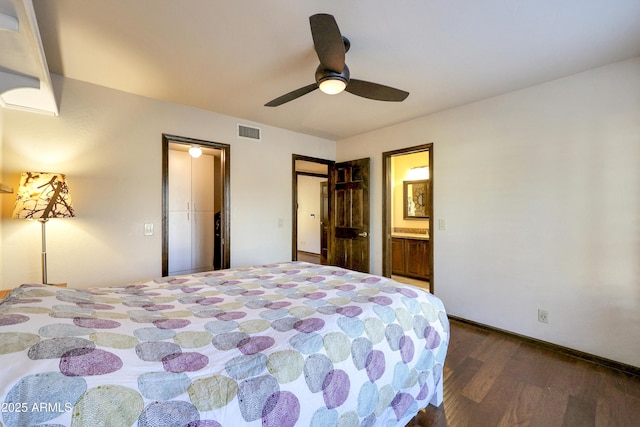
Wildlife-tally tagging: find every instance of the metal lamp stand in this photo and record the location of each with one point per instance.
(43, 221)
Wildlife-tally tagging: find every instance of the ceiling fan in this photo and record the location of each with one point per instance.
(332, 75)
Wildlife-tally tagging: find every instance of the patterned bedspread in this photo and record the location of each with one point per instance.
(274, 345)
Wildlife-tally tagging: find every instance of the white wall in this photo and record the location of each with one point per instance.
(109, 145)
(541, 192)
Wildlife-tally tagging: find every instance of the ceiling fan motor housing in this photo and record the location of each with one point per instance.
(325, 74)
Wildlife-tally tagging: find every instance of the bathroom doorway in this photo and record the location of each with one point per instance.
(407, 215)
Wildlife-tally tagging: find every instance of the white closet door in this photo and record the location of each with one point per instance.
(179, 241)
(179, 180)
(202, 179)
(202, 240)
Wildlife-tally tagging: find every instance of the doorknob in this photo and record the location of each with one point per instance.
(363, 234)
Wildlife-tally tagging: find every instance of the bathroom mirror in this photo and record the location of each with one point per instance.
(416, 199)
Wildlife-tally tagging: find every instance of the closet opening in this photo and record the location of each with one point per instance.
(195, 205)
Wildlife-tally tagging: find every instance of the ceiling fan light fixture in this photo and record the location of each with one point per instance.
(332, 86)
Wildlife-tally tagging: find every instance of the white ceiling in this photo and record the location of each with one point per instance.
(232, 57)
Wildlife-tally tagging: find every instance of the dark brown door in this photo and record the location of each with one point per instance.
(324, 222)
(350, 181)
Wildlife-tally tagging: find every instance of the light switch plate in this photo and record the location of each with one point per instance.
(442, 224)
(148, 229)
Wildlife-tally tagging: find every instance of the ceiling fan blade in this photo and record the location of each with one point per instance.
(375, 91)
(292, 95)
(327, 41)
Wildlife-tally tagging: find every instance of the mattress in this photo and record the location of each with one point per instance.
(289, 344)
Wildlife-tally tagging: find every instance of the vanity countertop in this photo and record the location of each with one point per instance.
(411, 236)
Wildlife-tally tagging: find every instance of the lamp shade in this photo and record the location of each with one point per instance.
(43, 195)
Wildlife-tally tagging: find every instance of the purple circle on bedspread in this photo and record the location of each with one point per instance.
(184, 362)
(371, 280)
(79, 362)
(91, 322)
(173, 413)
(381, 300)
(12, 319)
(409, 293)
(335, 388)
(432, 338)
(349, 310)
(231, 315)
(401, 403)
(255, 345)
(315, 295)
(406, 348)
(424, 392)
(309, 325)
(346, 287)
(315, 279)
(375, 365)
(171, 323)
(282, 409)
(277, 305)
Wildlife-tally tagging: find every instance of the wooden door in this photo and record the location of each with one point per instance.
(324, 222)
(350, 181)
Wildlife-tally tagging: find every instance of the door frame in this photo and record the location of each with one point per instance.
(226, 186)
(386, 207)
(294, 204)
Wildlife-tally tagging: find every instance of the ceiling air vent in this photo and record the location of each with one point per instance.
(248, 132)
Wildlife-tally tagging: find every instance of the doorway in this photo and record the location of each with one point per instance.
(346, 210)
(195, 205)
(309, 240)
(407, 215)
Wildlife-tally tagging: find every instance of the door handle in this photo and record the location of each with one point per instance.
(364, 234)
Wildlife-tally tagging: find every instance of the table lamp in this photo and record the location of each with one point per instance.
(43, 195)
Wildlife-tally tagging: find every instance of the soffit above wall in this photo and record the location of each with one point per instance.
(25, 82)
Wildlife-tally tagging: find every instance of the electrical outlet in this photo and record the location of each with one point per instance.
(543, 316)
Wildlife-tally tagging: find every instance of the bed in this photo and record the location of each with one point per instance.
(289, 344)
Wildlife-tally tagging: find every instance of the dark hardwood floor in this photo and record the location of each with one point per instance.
(493, 379)
(309, 257)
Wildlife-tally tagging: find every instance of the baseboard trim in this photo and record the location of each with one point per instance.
(592, 358)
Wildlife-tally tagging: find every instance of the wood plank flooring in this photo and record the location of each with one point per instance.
(492, 379)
